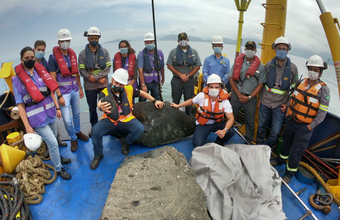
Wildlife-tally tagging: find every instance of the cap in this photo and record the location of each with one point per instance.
(182, 35)
(251, 43)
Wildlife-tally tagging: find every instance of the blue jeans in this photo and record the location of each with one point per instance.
(202, 132)
(153, 88)
(72, 127)
(49, 135)
(92, 99)
(130, 130)
(265, 113)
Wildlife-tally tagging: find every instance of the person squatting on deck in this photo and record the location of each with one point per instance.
(64, 69)
(148, 76)
(247, 77)
(94, 66)
(118, 120)
(184, 62)
(307, 108)
(282, 75)
(210, 116)
(33, 89)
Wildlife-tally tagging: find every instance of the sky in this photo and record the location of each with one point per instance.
(23, 22)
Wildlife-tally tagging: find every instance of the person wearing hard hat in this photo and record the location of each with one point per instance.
(184, 62)
(64, 69)
(247, 77)
(307, 108)
(216, 63)
(39, 53)
(116, 101)
(148, 75)
(282, 76)
(94, 66)
(214, 114)
(34, 95)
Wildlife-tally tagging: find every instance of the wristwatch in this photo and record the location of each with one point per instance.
(155, 100)
(226, 129)
(250, 98)
(143, 84)
(188, 75)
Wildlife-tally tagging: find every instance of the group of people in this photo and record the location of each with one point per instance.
(54, 88)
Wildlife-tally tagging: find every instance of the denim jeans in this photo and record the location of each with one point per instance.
(72, 126)
(92, 99)
(202, 131)
(49, 135)
(130, 130)
(153, 88)
(265, 114)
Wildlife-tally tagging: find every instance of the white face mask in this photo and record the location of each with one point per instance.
(214, 92)
(249, 53)
(313, 75)
(65, 45)
(183, 43)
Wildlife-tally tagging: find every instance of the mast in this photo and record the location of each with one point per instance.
(242, 6)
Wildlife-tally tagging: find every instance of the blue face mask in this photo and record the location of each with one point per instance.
(281, 54)
(150, 46)
(217, 50)
(124, 50)
(94, 43)
(39, 55)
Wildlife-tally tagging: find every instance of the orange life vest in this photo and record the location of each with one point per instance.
(131, 65)
(304, 104)
(204, 113)
(62, 64)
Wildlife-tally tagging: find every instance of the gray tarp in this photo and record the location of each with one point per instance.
(238, 182)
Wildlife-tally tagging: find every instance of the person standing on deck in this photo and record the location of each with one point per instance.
(247, 77)
(94, 66)
(64, 69)
(307, 108)
(282, 75)
(184, 62)
(148, 76)
(120, 122)
(39, 53)
(216, 63)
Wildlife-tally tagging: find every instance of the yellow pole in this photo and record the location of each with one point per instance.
(239, 35)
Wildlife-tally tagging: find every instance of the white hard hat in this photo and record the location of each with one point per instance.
(32, 141)
(93, 31)
(149, 36)
(315, 60)
(217, 39)
(121, 76)
(64, 34)
(214, 78)
(281, 40)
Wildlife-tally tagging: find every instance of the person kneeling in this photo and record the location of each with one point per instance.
(210, 116)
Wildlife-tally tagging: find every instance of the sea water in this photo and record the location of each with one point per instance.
(204, 49)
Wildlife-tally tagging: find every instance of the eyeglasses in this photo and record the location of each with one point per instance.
(279, 48)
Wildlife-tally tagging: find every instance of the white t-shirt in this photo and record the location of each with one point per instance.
(199, 99)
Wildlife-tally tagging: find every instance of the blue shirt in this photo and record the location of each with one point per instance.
(53, 64)
(219, 66)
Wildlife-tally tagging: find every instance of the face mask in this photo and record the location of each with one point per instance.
(124, 50)
(217, 50)
(183, 43)
(65, 45)
(150, 46)
(313, 75)
(94, 43)
(116, 89)
(39, 55)
(249, 53)
(281, 54)
(214, 92)
(29, 63)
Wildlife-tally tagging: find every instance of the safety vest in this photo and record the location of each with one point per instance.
(89, 63)
(204, 113)
(31, 87)
(179, 57)
(129, 64)
(271, 78)
(126, 105)
(149, 69)
(238, 66)
(64, 70)
(304, 104)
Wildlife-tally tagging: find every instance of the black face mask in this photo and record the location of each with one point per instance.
(29, 63)
(116, 89)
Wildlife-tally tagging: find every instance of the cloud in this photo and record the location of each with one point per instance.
(129, 30)
(193, 28)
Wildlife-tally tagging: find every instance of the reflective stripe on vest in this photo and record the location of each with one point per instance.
(67, 83)
(276, 91)
(28, 96)
(40, 109)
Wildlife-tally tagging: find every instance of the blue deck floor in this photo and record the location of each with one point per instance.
(83, 197)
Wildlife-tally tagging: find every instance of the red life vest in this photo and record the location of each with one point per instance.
(238, 65)
(204, 113)
(132, 60)
(32, 89)
(62, 64)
